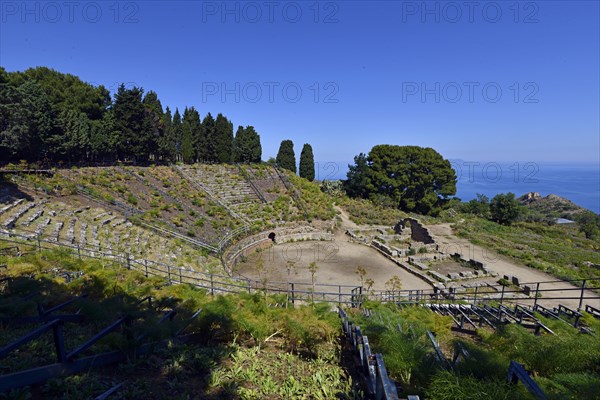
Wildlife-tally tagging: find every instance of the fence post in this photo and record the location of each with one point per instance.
(582, 293)
(475, 297)
(128, 261)
(39, 243)
(361, 295)
(180, 277)
(169, 273)
(537, 291)
(59, 342)
(502, 295)
(293, 293)
(79, 251)
(146, 267)
(212, 285)
(249, 287)
(340, 295)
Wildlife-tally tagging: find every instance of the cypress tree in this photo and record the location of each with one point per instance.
(166, 143)
(223, 139)
(285, 156)
(153, 122)
(307, 163)
(192, 128)
(187, 146)
(207, 152)
(176, 135)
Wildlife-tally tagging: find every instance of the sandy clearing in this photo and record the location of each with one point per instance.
(337, 262)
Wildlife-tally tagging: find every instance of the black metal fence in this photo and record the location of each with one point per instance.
(580, 291)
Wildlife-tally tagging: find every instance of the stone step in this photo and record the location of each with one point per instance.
(11, 205)
(38, 213)
(12, 220)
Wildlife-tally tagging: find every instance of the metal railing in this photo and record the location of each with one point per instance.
(248, 179)
(372, 367)
(291, 190)
(353, 295)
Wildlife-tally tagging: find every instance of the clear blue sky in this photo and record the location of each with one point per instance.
(384, 72)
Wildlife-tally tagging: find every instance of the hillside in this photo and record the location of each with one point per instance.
(178, 342)
(204, 205)
(551, 205)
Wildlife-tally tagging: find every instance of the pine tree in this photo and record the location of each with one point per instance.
(412, 178)
(104, 138)
(26, 121)
(223, 139)
(73, 139)
(286, 157)
(246, 146)
(130, 117)
(307, 163)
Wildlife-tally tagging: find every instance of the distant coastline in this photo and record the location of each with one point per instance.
(578, 182)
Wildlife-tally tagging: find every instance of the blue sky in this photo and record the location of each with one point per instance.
(482, 81)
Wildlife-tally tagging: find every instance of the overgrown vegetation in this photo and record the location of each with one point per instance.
(565, 366)
(244, 346)
(318, 205)
(365, 212)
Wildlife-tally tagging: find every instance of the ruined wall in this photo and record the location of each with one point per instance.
(418, 232)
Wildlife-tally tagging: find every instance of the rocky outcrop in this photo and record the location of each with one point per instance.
(551, 205)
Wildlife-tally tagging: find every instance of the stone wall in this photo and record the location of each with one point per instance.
(282, 235)
(418, 232)
(384, 248)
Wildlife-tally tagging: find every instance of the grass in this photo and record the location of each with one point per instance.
(318, 205)
(243, 348)
(565, 366)
(365, 212)
(559, 250)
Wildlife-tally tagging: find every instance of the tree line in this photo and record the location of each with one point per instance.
(46, 115)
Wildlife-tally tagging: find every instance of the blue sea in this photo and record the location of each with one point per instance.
(579, 183)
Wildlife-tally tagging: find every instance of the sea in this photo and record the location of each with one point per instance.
(578, 182)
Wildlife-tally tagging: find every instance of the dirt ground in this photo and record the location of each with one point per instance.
(337, 262)
(449, 243)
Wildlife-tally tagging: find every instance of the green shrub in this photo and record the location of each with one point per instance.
(132, 199)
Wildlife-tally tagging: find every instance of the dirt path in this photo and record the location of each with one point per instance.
(450, 243)
(346, 223)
